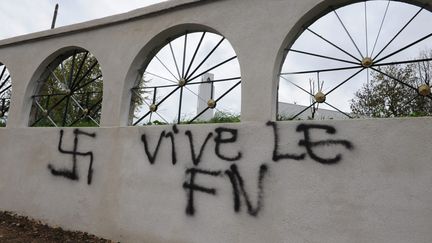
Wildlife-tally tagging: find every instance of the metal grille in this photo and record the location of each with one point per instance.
(367, 59)
(69, 92)
(5, 94)
(167, 90)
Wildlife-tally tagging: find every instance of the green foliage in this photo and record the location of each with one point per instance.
(72, 93)
(139, 94)
(225, 117)
(385, 97)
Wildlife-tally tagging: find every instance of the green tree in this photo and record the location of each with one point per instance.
(396, 93)
(69, 93)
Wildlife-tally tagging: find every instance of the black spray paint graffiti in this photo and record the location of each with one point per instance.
(308, 144)
(222, 138)
(191, 186)
(196, 158)
(219, 140)
(72, 174)
(238, 188)
(228, 136)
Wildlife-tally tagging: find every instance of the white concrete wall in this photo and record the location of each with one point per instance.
(380, 190)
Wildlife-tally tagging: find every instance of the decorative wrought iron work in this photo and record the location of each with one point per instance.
(69, 92)
(5, 94)
(367, 59)
(167, 88)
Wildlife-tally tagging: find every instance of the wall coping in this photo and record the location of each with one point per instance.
(144, 12)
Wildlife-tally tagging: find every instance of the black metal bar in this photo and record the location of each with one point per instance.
(195, 53)
(229, 90)
(167, 96)
(40, 106)
(298, 114)
(175, 60)
(154, 95)
(89, 82)
(205, 59)
(215, 81)
(161, 117)
(220, 97)
(157, 58)
(84, 76)
(5, 81)
(71, 70)
(211, 89)
(403, 62)
(405, 47)
(180, 105)
(348, 79)
(297, 86)
(380, 29)
(50, 109)
(80, 68)
(334, 45)
(411, 100)
(349, 35)
(184, 55)
(191, 83)
(397, 34)
(142, 118)
(321, 56)
(198, 115)
(321, 70)
(169, 80)
(395, 79)
(3, 72)
(216, 66)
(1, 92)
(58, 94)
(3, 108)
(339, 110)
(84, 114)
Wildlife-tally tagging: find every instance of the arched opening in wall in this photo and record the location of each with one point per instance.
(5, 94)
(69, 92)
(368, 59)
(193, 77)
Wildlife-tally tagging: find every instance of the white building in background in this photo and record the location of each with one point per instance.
(205, 93)
(288, 110)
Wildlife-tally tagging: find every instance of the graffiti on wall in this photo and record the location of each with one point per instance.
(72, 173)
(222, 137)
(223, 140)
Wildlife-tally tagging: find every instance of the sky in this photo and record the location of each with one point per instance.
(19, 17)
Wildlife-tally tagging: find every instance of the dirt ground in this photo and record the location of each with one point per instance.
(14, 228)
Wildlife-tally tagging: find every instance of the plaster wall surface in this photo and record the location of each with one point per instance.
(379, 191)
(365, 181)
